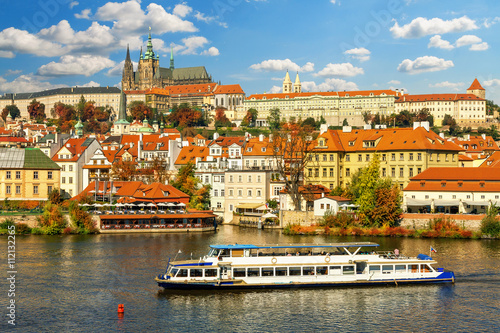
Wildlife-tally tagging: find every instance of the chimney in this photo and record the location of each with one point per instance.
(271, 137)
(441, 135)
(323, 128)
(483, 136)
(346, 129)
(367, 126)
(322, 194)
(261, 137)
(216, 136)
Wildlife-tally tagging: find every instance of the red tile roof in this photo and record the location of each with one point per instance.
(458, 174)
(190, 153)
(325, 93)
(437, 97)
(475, 85)
(75, 148)
(229, 89)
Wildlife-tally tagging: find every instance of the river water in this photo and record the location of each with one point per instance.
(75, 283)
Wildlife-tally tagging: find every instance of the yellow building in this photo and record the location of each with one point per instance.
(27, 174)
(403, 153)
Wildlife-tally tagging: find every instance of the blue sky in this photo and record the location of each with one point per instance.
(421, 46)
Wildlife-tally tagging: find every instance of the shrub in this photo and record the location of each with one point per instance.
(22, 229)
(490, 225)
(51, 221)
(340, 220)
(7, 223)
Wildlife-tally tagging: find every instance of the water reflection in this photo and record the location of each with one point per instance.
(75, 282)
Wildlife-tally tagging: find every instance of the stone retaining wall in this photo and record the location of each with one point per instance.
(421, 221)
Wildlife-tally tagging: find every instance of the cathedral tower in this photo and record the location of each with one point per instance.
(297, 87)
(287, 84)
(128, 72)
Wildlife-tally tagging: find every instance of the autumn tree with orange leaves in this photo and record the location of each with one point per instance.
(36, 110)
(123, 170)
(66, 115)
(186, 182)
(221, 118)
(185, 116)
(139, 110)
(292, 145)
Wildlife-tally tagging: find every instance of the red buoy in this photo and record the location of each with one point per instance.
(121, 308)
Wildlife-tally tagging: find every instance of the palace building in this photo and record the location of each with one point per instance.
(149, 74)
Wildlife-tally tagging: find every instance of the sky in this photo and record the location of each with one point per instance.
(421, 46)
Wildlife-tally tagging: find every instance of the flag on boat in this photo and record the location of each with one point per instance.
(433, 250)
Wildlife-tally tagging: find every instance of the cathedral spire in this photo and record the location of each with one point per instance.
(297, 86)
(171, 57)
(150, 54)
(140, 57)
(287, 83)
(122, 113)
(128, 54)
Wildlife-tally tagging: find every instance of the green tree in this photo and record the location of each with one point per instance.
(309, 121)
(345, 123)
(250, 118)
(80, 106)
(13, 110)
(368, 180)
(186, 182)
(320, 122)
(274, 119)
(52, 220)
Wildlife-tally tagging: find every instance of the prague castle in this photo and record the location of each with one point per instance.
(149, 74)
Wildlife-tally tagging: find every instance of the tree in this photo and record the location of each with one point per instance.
(52, 220)
(387, 209)
(404, 119)
(309, 121)
(185, 116)
(292, 145)
(367, 116)
(493, 132)
(185, 181)
(139, 110)
(12, 110)
(345, 123)
(425, 115)
(87, 112)
(159, 172)
(36, 110)
(320, 122)
(123, 170)
(250, 118)
(80, 106)
(368, 180)
(55, 196)
(274, 119)
(220, 118)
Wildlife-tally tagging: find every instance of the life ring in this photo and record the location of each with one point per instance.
(274, 260)
(327, 258)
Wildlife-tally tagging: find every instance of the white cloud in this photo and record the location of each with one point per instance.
(91, 84)
(117, 70)
(438, 42)
(26, 83)
(208, 19)
(7, 54)
(424, 64)
(361, 54)
(491, 83)
(394, 82)
(73, 4)
(329, 85)
(282, 64)
(13, 72)
(342, 70)
(275, 90)
(182, 10)
(277, 79)
(213, 51)
(479, 47)
(14, 40)
(191, 45)
(446, 84)
(489, 22)
(85, 14)
(467, 40)
(71, 65)
(420, 27)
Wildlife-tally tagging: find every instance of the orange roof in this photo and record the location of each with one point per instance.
(390, 139)
(476, 144)
(437, 97)
(224, 141)
(190, 153)
(475, 85)
(454, 186)
(323, 93)
(493, 161)
(229, 89)
(157, 192)
(457, 174)
(75, 148)
(255, 147)
(191, 89)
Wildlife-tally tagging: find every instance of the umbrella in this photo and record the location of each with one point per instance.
(163, 204)
(130, 204)
(151, 204)
(182, 204)
(86, 205)
(98, 205)
(119, 204)
(107, 205)
(171, 204)
(141, 205)
(269, 215)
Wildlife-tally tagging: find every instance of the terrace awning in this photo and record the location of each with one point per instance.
(476, 203)
(446, 203)
(415, 202)
(250, 205)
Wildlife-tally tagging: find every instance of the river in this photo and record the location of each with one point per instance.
(75, 283)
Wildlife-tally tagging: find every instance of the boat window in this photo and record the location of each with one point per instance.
(308, 270)
(173, 271)
(335, 270)
(400, 268)
(387, 269)
(294, 271)
(425, 268)
(237, 253)
(196, 272)
(253, 272)
(224, 253)
(414, 268)
(182, 273)
(374, 269)
(239, 272)
(267, 271)
(210, 272)
(212, 253)
(348, 270)
(321, 270)
(281, 271)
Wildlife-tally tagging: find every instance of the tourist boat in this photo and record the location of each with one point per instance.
(242, 266)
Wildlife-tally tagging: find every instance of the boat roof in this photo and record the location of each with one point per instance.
(288, 246)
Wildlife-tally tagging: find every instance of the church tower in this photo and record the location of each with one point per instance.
(121, 125)
(128, 73)
(171, 58)
(287, 84)
(476, 89)
(149, 64)
(297, 87)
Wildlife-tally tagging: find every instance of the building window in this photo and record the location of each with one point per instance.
(18, 189)
(419, 170)
(230, 193)
(401, 172)
(240, 193)
(367, 158)
(49, 189)
(249, 178)
(35, 174)
(347, 158)
(49, 175)
(63, 180)
(230, 208)
(259, 192)
(231, 178)
(384, 157)
(249, 193)
(401, 157)
(35, 189)
(324, 172)
(322, 206)
(71, 168)
(18, 174)
(7, 175)
(219, 205)
(258, 179)
(331, 172)
(331, 158)
(70, 180)
(419, 156)
(216, 193)
(410, 172)
(411, 157)
(324, 158)
(393, 157)
(347, 172)
(310, 172)
(360, 158)
(7, 189)
(384, 173)
(393, 172)
(277, 190)
(63, 167)
(316, 172)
